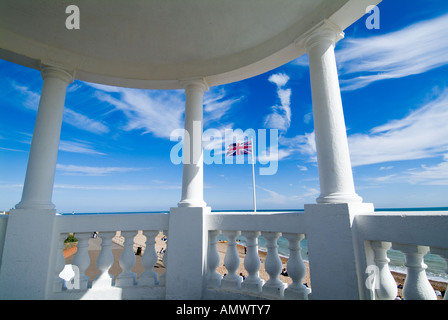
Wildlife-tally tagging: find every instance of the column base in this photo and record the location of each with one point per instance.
(186, 253)
(332, 246)
(35, 205)
(27, 268)
(192, 203)
(339, 197)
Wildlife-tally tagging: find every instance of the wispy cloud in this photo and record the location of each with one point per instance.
(10, 149)
(272, 154)
(217, 104)
(436, 174)
(307, 195)
(280, 118)
(71, 117)
(152, 111)
(161, 112)
(30, 98)
(303, 143)
(92, 171)
(430, 175)
(83, 122)
(413, 50)
(120, 187)
(421, 134)
(78, 147)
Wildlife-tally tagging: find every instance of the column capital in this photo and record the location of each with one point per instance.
(56, 72)
(325, 32)
(200, 83)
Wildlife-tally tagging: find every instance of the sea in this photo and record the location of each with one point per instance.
(436, 266)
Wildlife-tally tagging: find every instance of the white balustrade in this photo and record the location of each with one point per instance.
(104, 261)
(82, 259)
(274, 287)
(416, 285)
(443, 253)
(149, 259)
(59, 283)
(162, 277)
(252, 263)
(127, 260)
(384, 286)
(213, 277)
(296, 268)
(232, 280)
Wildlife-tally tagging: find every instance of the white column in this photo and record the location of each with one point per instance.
(39, 179)
(192, 175)
(335, 172)
(36, 211)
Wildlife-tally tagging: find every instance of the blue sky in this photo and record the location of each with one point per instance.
(115, 142)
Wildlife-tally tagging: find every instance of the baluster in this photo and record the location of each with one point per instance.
(127, 260)
(385, 287)
(149, 259)
(81, 261)
(443, 253)
(252, 263)
(213, 277)
(105, 261)
(162, 278)
(296, 268)
(59, 283)
(416, 285)
(231, 262)
(273, 265)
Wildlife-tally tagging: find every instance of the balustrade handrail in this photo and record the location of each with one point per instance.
(423, 228)
(288, 222)
(112, 222)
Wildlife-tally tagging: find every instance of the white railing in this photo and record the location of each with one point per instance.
(104, 286)
(3, 225)
(413, 234)
(373, 235)
(251, 226)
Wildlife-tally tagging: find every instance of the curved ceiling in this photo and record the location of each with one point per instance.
(155, 43)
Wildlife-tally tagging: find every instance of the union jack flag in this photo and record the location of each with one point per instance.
(236, 149)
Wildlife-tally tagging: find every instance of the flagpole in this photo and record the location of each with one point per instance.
(253, 173)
